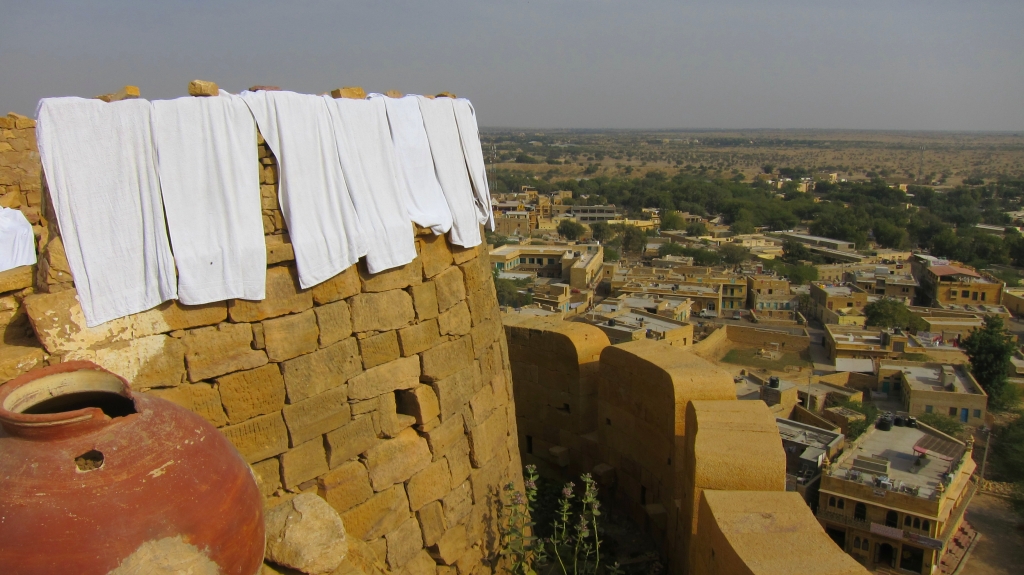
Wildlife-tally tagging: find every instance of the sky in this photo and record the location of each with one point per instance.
(555, 64)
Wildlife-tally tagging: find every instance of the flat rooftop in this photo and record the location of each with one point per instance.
(837, 291)
(929, 377)
(897, 447)
(806, 434)
(510, 249)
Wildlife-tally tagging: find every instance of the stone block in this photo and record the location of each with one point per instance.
(486, 481)
(18, 359)
(304, 533)
(443, 437)
(246, 394)
(279, 246)
(420, 564)
(445, 359)
(378, 349)
(435, 254)
(404, 543)
(482, 305)
(428, 485)
(304, 462)
(419, 337)
(487, 439)
(268, 475)
(341, 286)
(284, 296)
(17, 278)
(458, 503)
(202, 399)
(291, 335)
(399, 374)
(462, 255)
(259, 438)
(203, 88)
(213, 351)
(312, 374)
(420, 402)
(381, 311)
(172, 315)
(455, 321)
(470, 562)
(455, 391)
(381, 514)
(482, 404)
(350, 440)
(431, 520)
(424, 298)
(478, 277)
(484, 334)
(345, 487)
(334, 321)
(450, 288)
(396, 278)
(148, 362)
(313, 417)
(450, 546)
(396, 460)
(458, 460)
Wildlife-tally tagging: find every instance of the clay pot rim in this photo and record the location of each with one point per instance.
(28, 420)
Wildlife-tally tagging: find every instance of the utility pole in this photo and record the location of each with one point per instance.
(984, 458)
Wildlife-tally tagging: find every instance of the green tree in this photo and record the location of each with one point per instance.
(611, 254)
(600, 231)
(671, 220)
(888, 312)
(733, 254)
(857, 428)
(670, 249)
(943, 423)
(634, 240)
(989, 350)
(696, 229)
(570, 229)
(742, 227)
(794, 251)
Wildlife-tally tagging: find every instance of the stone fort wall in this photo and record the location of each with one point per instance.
(700, 472)
(389, 395)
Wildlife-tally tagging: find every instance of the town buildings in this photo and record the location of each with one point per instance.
(923, 388)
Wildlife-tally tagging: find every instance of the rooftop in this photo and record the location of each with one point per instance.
(898, 450)
(806, 434)
(928, 377)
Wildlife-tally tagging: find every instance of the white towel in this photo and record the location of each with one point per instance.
(426, 203)
(450, 165)
(378, 191)
(315, 201)
(465, 115)
(101, 170)
(209, 176)
(17, 242)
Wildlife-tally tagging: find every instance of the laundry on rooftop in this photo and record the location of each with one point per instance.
(160, 200)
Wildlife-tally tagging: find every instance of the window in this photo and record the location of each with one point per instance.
(907, 521)
(860, 512)
(841, 504)
(977, 413)
(769, 291)
(925, 525)
(965, 293)
(905, 290)
(982, 296)
(892, 519)
(866, 545)
(974, 296)
(952, 412)
(928, 408)
(551, 261)
(917, 523)
(952, 294)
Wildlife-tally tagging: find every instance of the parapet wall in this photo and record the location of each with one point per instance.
(389, 395)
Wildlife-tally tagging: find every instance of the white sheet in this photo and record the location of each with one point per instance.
(315, 201)
(469, 132)
(426, 202)
(100, 167)
(17, 242)
(450, 165)
(378, 191)
(209, 176)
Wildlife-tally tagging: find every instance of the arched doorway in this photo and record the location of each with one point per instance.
(911, 558)
(885, 554)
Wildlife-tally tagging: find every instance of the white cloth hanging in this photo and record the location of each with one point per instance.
(315, 200)
(209, 177)
(469, 132)
(100, 167)
(17, 242)
(450, 166)
(426, 202)
(378, 191)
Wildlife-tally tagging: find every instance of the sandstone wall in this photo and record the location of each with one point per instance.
(555, 368)
(389, 395)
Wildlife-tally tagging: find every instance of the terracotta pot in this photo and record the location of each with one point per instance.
(95, 479)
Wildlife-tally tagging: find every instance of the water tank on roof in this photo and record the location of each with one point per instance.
(773, 382)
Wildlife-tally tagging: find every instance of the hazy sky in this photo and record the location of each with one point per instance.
(907, 64)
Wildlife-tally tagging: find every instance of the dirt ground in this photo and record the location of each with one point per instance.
(1000, 551)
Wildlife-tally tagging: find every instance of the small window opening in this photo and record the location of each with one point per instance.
(841, 504)
(529, 444)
